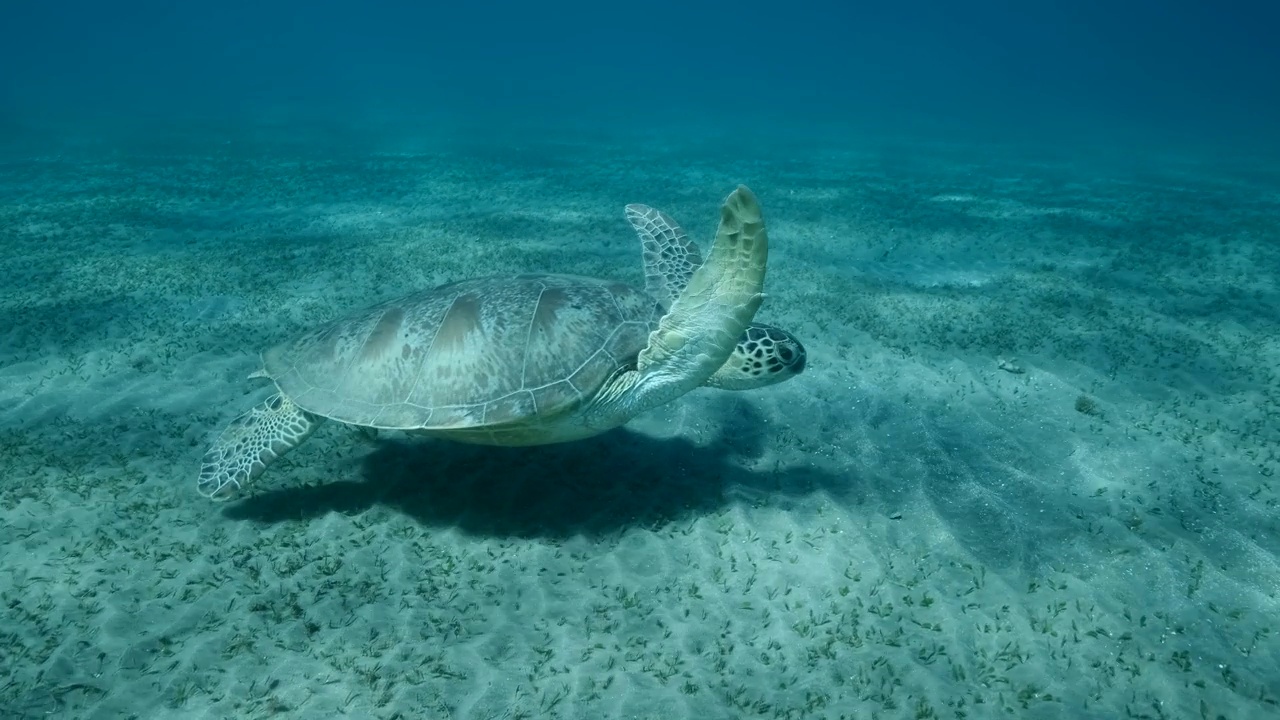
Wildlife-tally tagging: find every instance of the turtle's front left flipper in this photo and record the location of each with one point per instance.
(252, 442)
(702, 327)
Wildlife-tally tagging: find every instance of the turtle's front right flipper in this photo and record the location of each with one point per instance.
(251, 442)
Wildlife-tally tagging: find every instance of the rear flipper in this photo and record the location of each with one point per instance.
(252, 442)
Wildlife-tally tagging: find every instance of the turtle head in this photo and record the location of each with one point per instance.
(765, 355)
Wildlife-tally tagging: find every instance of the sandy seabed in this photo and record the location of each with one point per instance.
(1029, 471)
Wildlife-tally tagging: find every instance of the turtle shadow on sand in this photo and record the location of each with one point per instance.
(595, 487)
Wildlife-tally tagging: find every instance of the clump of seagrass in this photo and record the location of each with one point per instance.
(1086, 405)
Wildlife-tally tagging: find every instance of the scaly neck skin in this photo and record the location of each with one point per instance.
(627, 395)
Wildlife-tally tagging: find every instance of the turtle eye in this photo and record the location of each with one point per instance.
(785, 354)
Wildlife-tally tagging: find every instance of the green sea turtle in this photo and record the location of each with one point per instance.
(526, 360)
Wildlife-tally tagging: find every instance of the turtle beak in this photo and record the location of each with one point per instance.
(802, 357)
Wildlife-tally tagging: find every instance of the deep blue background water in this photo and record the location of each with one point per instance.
(1202, 71)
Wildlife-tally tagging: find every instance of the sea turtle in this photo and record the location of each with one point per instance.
(525, 360)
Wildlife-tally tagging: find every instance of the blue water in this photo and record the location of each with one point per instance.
(1053, 71)
(1032, 250)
